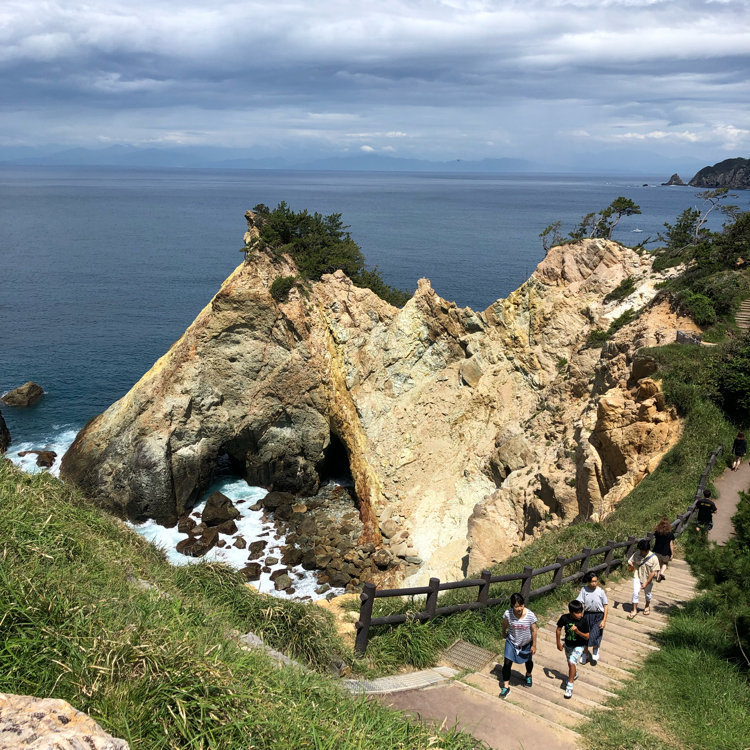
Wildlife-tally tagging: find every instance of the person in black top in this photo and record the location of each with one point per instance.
(706, 508)
(739, 448)
(663, 546)
(576, 638)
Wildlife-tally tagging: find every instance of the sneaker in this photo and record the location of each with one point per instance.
(569, 690)
(528, 680)
(504, 692)
(584, 657)
(594, 656)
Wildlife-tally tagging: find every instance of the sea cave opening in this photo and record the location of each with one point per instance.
(334, 466)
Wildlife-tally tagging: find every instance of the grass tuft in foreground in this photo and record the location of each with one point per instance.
(94, 615)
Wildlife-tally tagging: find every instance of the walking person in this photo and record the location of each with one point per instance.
(519, 631)
(706, 508)
(739, 449)
(576, 638)
(595, 611)
(663, 546)
(645, 565)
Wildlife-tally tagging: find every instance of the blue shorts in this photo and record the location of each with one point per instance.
(518, 654)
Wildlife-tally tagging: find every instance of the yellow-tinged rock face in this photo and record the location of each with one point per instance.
(466, 433)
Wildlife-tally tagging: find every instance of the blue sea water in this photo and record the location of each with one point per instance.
(103, 269)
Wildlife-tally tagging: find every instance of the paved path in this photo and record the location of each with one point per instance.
(728, 487)
(743, 315)
(540, 717)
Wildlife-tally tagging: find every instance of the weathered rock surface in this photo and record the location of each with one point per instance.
(50, 724)
(45, 459)
(465, 433)
(4, 435)
(25, 395)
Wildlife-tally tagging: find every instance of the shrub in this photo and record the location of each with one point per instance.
(697, 306)
(281, 287)
(624, 289)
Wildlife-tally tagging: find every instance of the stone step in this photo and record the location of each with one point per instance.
(530, 701)
(629, 639)
(617, 654)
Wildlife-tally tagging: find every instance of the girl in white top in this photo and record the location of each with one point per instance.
(595, 611)
(519, 631)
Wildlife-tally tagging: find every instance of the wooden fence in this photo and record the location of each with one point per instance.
(525, 578)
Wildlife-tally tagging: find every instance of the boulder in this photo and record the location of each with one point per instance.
(25, 395)
(251, 571)
(50, 724)
(186, 524)
(219, 508)
(240, 543)
(197, 546)
(45, 459)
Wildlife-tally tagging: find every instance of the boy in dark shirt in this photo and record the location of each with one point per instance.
(576, 637)
(706, 508)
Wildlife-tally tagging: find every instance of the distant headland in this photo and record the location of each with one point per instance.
(730, 173)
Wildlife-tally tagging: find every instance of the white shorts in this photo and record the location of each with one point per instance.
(573, 654)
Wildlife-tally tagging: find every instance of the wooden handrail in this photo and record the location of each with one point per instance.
(370, 591)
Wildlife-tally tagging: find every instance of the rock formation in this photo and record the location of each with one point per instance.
(465, 432)
(730, 173)
(4, 435)
(675, 179)
(25, 395)
(50, 724)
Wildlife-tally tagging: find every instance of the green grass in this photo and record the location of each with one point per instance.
(157, 664)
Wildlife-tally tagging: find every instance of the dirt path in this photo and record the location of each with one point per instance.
(728, 487)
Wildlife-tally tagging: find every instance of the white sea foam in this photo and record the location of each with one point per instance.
(251, 526)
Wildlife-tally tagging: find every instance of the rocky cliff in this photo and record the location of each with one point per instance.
(730, 173)
(466, 433)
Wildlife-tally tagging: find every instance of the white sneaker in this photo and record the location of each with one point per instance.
(595, 654)
(569, 690)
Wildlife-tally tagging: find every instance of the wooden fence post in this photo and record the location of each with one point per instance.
(484, 589)
(557, 578)
(608, 557)
(367, 597)
(585, 562)
(632, 542)
(432, 597)
(526, 587)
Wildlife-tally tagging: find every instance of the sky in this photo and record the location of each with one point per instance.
(546, 80)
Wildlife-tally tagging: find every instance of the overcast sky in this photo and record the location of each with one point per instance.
(461, 79)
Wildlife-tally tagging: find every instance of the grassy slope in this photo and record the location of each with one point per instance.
(157, 666)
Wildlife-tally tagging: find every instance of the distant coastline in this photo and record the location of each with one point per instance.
(733, 174)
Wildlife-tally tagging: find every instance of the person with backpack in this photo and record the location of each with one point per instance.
(645, 565)
(706, 508)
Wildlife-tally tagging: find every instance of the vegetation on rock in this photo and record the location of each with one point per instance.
(281, 287)
(730, 173)
(321, 244)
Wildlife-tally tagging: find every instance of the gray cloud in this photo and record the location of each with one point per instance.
(463, 78)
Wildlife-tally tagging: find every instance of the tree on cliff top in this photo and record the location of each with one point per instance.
(602, 224)
(321, 244)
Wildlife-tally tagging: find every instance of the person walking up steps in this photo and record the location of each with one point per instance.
(576, 638)
(739, 449)
(706, 508)
(645, 565)
(595, 611)
(663, 546)
(519, 631)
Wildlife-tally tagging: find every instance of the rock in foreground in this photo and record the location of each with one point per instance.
(49, 724)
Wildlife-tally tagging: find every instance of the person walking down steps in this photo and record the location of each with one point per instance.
(576, 638)
(706, 508)
(663, 546)
(595, 611)
(519, 631)
(645, 565)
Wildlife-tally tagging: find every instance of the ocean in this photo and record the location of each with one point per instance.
(103, 269)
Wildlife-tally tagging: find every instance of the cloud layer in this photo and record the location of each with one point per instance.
(453, 79)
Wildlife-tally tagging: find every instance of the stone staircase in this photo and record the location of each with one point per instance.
(625, 646)
(743, 315)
